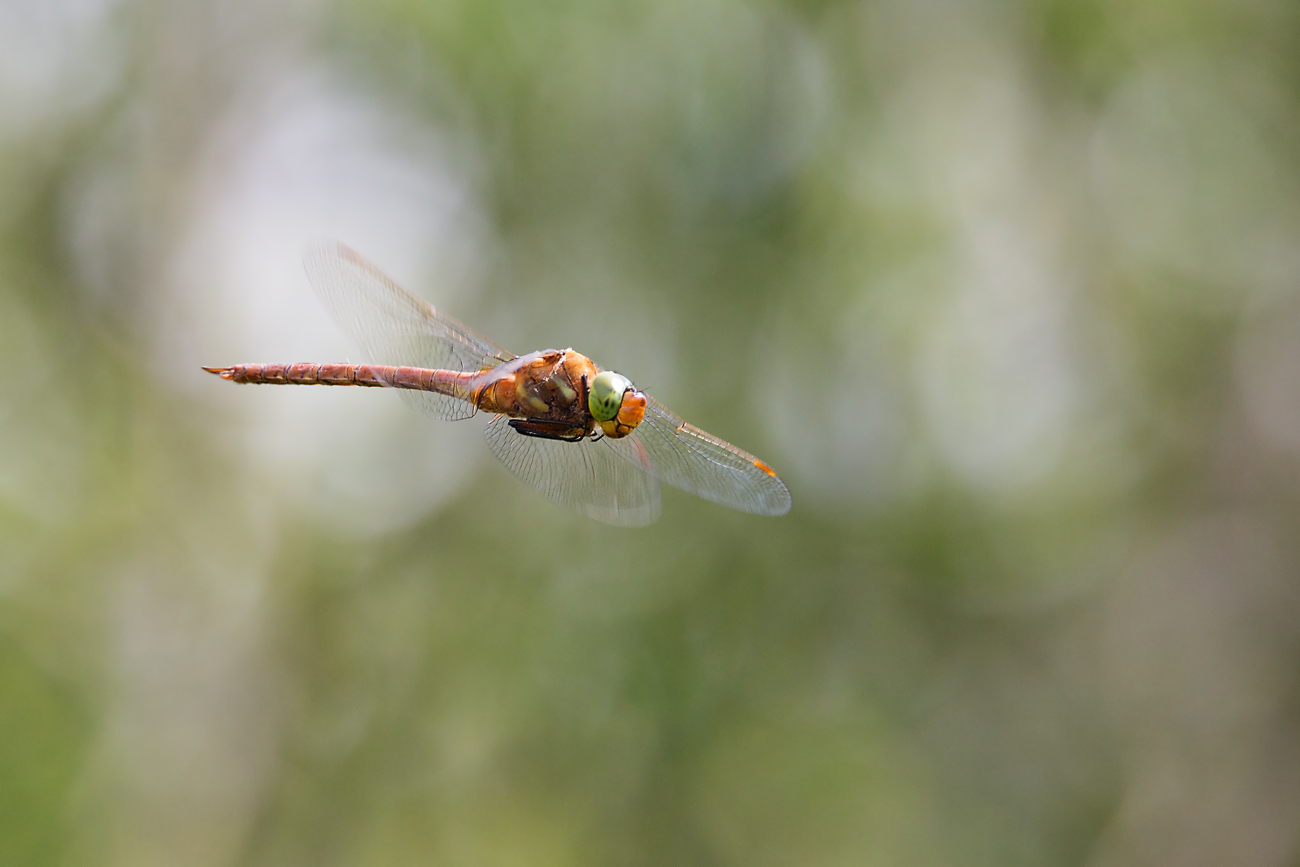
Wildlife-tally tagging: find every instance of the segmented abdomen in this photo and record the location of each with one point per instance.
(449, 382)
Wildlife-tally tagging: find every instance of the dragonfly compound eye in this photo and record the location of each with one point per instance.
(607, 394)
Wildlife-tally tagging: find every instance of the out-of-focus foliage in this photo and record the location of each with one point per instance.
(1009, 292)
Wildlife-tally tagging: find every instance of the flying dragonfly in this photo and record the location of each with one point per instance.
(583, 436)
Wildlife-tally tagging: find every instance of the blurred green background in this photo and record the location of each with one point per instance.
(1008, 291)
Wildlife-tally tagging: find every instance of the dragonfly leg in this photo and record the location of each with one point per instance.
(596, 435)
(548, 430)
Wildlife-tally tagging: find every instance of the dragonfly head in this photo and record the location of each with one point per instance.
(615, 403)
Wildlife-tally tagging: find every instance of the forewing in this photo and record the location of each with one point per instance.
(392, 326)
(587, 475)
(686, 457)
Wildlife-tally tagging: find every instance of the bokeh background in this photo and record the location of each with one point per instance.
(1008, 291)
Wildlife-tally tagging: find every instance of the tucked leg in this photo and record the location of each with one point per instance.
(548, 430)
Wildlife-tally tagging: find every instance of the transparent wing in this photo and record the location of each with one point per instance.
(392, 326)
(686, 457)
(587, 476)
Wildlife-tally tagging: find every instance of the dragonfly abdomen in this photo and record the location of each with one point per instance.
(452, 383)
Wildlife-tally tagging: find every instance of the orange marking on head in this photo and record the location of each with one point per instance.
(765, 468)
(630, 414)
(632, 409)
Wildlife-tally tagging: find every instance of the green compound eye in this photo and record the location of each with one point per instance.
(607, 394)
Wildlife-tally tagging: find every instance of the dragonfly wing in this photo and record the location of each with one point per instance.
(686, 457)
(392, 326)
(588, 475)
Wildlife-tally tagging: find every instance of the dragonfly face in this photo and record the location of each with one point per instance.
(616, 404)
(546, 404)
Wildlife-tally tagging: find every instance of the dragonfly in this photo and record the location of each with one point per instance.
(582, 436)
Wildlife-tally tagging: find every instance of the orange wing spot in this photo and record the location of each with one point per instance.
(765, 468)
